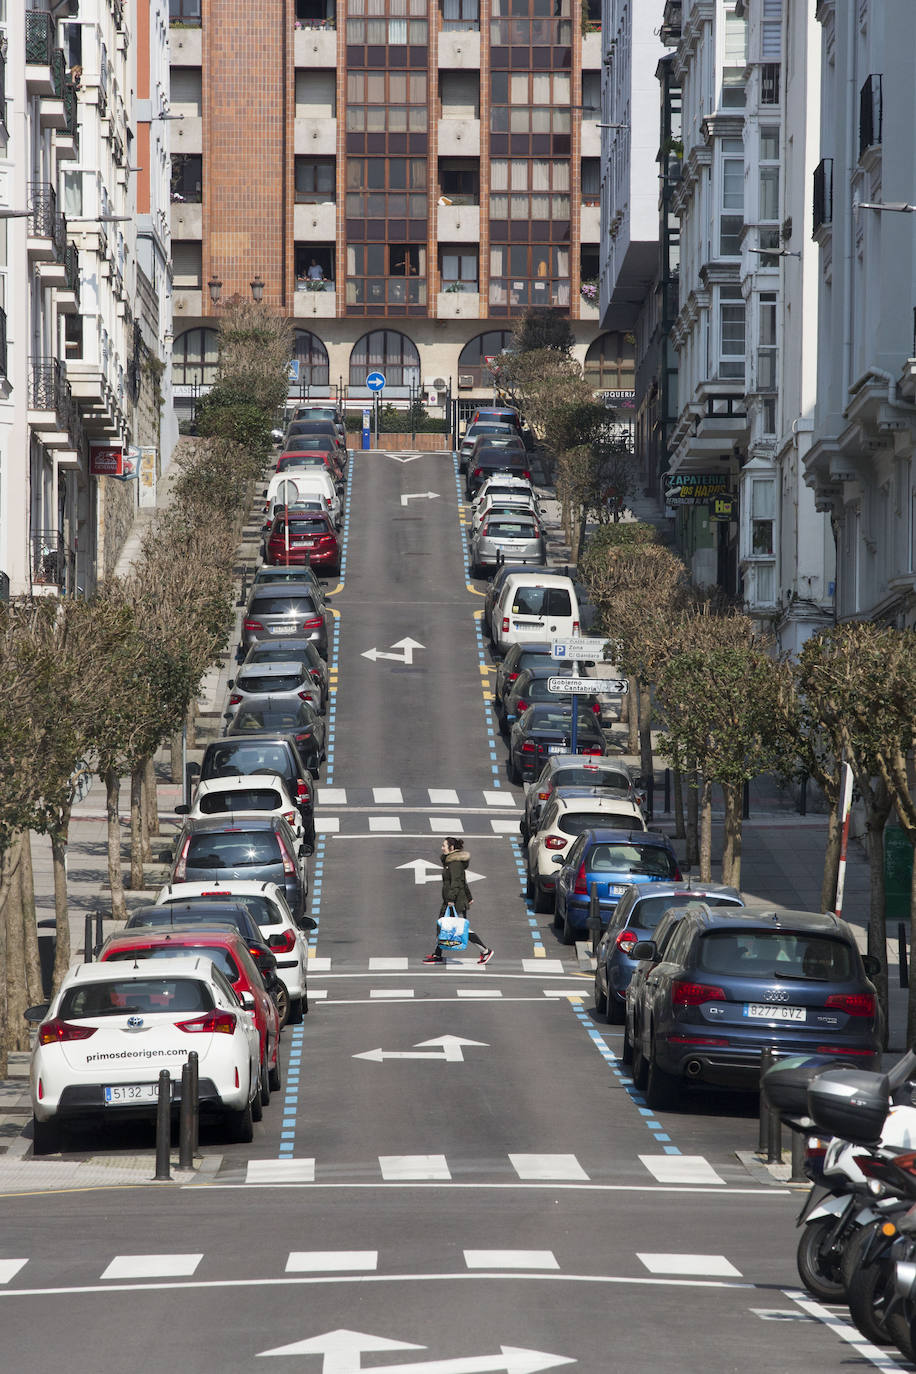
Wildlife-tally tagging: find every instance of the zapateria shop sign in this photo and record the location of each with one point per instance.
(694, 488)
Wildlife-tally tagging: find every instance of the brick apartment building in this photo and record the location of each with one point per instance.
(405, 177)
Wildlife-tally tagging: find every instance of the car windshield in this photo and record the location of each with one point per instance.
(240, 799)
(533, 657)
(648, 861)
(120, 998)
(272, 718)
(229, 760)
(545, 716)
(271, 575)
(775, 954)
(284, 604)
(648, 912)
(235, 849)
(300, 524)
(574, 822)
(593, 776)
(220, 957)
(270, 682)
(301, 460)
(201, 911)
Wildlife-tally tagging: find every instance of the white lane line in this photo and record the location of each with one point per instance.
(403, 1167)
(391, 993)
(478, 992)
(280, 1171)
(384, 823)
(542, 1167)
(510, 1259)
(442, 796)
(317, 965)
(846, 1332)
(564, 992)
(504, 827)
(681, 1169)
(317, 994)
(503, 799)
(9, 1268)
(387, 796)
(543, 966)
(383, 964)
(152, 1266)
(330, 1261)
(693, 1266)
(327, 825)
(446, 825)
(332, 796)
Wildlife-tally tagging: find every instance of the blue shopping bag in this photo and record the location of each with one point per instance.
(453, 929)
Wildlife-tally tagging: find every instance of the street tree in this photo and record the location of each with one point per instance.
(540, 328)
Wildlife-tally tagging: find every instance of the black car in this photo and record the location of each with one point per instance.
(266, 752)
(545, 729)
(531, 686)
(211, 913)
(296, 650)
(253, 848)
(490, 460)
(300, 721)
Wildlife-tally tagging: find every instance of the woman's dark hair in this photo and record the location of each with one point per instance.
(452, 842)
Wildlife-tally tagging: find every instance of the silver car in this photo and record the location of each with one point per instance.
(295, 610)
(284, 681)
(507, 538)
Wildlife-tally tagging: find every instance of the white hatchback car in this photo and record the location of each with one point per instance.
(284, 936)
(263, 793)
(503, 485)
(104, 1039)
(564, 818)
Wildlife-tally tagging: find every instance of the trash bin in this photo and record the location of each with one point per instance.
(898, 870)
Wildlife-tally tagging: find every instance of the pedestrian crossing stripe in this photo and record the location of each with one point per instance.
(411, 798)
(439, 1168)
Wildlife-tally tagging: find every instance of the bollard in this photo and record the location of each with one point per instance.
(185, 1123)
(667, 790)
(902, 960)
(774, 1138)
(746, 801)
(87, 939)
(650, 796)
(99, 932)
(798, 1158)
(195, 1102)
(767, 1059)
(803, 796)
(594, 916)
(163, 1127)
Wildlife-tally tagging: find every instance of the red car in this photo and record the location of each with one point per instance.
(303, 537)
(314, 457)
(231, 955)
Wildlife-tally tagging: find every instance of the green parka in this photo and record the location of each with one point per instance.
(455, 888)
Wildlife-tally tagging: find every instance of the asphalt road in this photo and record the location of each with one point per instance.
(460, 1171)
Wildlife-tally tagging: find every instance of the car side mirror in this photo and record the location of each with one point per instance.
(37, 1013)
(230, 682)
(871, 965)
(166, 856)
(306, 922)
(644, 949)
(182, 809)
(558, 859)
(247, 1000)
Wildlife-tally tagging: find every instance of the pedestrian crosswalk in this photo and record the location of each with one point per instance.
(540, 968)
(513, 1167)
(477, 828)
(417, 798)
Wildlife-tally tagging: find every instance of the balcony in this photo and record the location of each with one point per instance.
(458, 305)
(185, 46)
(314, 136)
(50, 403)
(46, 228)
(591, 138)
(459, 138)
(53, 564)
(315, 223)
(459, 50)
(315, 48)
(68, 294)
(315, 305)
(187, 221)
(823, 195)
(458, 223)
(66, 139)
(591, 51)
(187, 135)
(871, 114)
(39, 47)
(590, 224)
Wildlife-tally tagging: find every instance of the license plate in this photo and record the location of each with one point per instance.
(283, 629)
(615, 889)
(127, 1093)
(758, 1011)
(556, 748)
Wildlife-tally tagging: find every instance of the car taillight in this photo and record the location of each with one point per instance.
(686, 994)
(505, 624)
(853, 1003)
(56, 1031)
(815, 1148)
(314, 622)
(580, 885)
(315, 674)
(575, 628)
(832, 1050)
(283, 943)
(543, 796)
(302, 790)
(591, 749)
(181, 867)
(288, 865)
(212, 1023)
(626, 940)
(521, 705)
(485, 531)
(290, 816)
(555, 842)
(478, 472)
(235, 699)
(252, 625)
(326, 539)
(528, 747)
(696, 1040)
(510, 677)
(306, 696)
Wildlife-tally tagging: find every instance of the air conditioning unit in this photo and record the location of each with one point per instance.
(440, 384)
(465, 382)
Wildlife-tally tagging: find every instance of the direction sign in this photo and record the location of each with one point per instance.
(376, 381)
(577, 648)
(585, 686)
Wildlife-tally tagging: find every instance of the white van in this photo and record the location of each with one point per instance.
(535, 605)
(287, 488)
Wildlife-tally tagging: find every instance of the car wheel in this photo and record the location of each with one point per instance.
(600, 998)
(543, 901)
(567, 934)
(616, 1012)
(512, 772)
(281, 997)
(626, 1054)
(640, 1067)
(662, 1089)
(529, 887)
(297, 1005)
(275, 1075)
(257, 1106)
(46, 1136)
(240, 1126)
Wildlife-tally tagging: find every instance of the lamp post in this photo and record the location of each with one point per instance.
(215, 287)
(257, 289)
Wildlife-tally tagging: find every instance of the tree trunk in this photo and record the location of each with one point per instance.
(705, 809)
(679, 831)
(115, 880)
(17, 1037)
(831, 859)
(191, 732)
(63, 953)
(176, 756)
(693, 824)
(5, 884)
(731, 852)
(646, 761)
(911, 999)
(32, 960)
(876, 820)
(151, 808)
(632, 716)
(136, 830)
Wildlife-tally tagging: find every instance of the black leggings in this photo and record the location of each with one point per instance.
(473, 939)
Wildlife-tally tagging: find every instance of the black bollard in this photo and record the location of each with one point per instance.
(803, 796)
(667, 790)
(774, 1138)
(766, 1060)
(87, 939)
(594, 916)
(195, 1102)
(163, 1127)
(185, 1122)
(99, 932)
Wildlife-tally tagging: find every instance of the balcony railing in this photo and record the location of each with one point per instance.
(117, 7)
(53, 564)
(49, 389)
(70, 108)
(769, 83)
(870, 113)
(72, 268)
(823, 193)
(44, 220)
(58, 72)
(3, 363)
(39, 38)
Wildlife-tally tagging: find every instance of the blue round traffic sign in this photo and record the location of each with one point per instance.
(375, 381)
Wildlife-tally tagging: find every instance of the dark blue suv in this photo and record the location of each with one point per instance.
(611, 860)
(635, 918)
(730, 984)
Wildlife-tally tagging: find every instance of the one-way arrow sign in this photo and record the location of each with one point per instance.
(425, 871)
(447, 1049)
(419, 496)
(342, 1355)
(406, 647)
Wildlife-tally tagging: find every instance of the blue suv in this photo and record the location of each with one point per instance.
(730, 984)
(635, 918)
(611, 860)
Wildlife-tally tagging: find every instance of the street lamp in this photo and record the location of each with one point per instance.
(896, 207)
(216, 287)
(257, 289)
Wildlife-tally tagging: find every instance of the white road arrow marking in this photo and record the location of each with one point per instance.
(419, 496)
(405, 457)
(406, 646)
(451, 1047)
(424, 871)
(342, 1351)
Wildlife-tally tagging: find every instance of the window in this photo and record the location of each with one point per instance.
(734, 60)
(532, 274)
(763, 516)
(766, 342)
(609, 364)
(591, 181)
(529, 189)
(388, 32)
(195, 354)
(379, 187)
(459, 181)
(771, 31)
(591, 95)
(312, 357)
(185, 12)
(459, 270)
(315, 180)
(459, 95)
(870, 113)
(386, 351)
(186, 92)
(768, 208)
(731, 333)
(187, 177)
(471, 359)
(731, 219)
(314, 263)
(769, 83)
(823, 193)
(459, 15)
(392, 101)
(186, 264)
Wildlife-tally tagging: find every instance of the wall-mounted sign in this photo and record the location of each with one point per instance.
(626, 400)
(106, 460)
(724, 508)
(694, 488)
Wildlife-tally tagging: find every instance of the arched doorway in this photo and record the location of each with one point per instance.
(312, 356)
(471, 359)
(386, 351)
